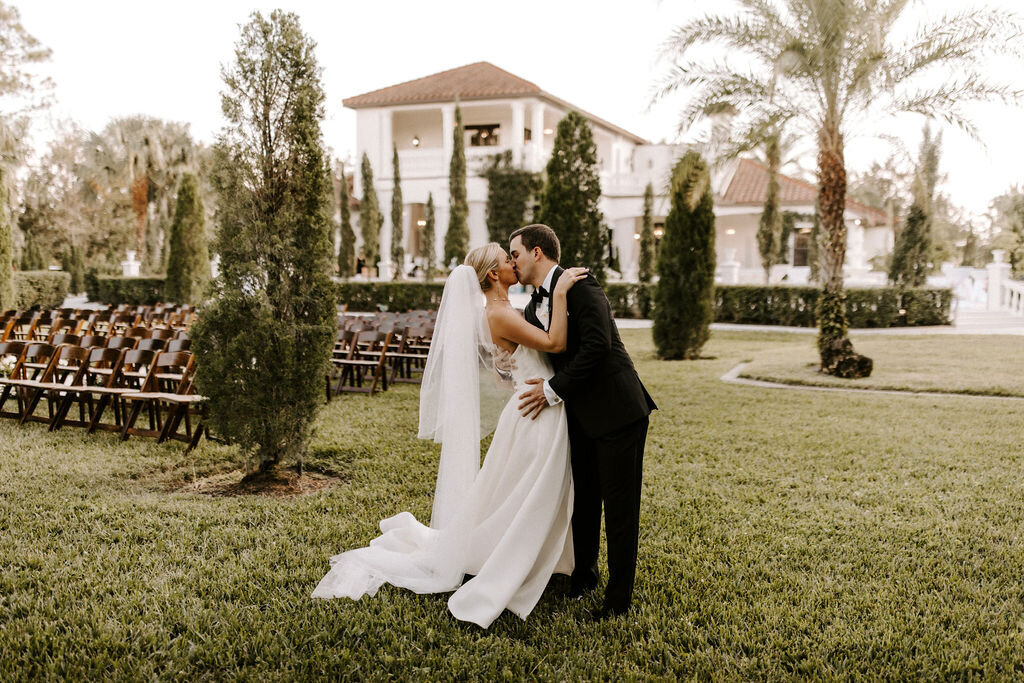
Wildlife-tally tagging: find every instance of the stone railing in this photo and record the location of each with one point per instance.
(1004, 294)
(1012, 297)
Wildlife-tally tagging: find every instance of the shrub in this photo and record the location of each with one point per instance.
(263, 342)
(794, 306)
(137, 291)
(42, 288)
(391, 296)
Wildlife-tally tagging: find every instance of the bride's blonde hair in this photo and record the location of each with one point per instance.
(483, 260)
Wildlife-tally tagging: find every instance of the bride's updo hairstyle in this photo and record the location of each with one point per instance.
(483, 260)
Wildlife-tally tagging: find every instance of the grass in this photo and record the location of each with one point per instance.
(783, 534)
(959, 364)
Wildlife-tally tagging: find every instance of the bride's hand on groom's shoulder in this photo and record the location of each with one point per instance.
(570, 277)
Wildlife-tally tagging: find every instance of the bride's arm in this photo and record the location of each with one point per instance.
(508, 324)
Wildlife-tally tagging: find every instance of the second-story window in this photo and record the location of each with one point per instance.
(483, 136)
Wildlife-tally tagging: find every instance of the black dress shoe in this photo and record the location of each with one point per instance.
(608, 613)
(578, 590)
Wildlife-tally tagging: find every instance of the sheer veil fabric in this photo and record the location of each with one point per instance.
(505, 522)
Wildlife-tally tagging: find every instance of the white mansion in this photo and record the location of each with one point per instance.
(502, 112)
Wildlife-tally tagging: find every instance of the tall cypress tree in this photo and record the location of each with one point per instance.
(429, 238)
(769, 230)
(397, 252)
(572, 190)
(646, 273)
(264, 341)
(370, 218)
(456, 240)
(188, 263)
(7, 293)
(684, 298)
(77, 270)
(913, 247)
(347, 239)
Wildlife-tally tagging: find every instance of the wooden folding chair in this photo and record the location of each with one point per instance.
(182, 405)
(169, 374)
(101, 373)
(367, 356)
(411, 356)
(126, 378)
(20, 328)
(65, 369)
(32, 362)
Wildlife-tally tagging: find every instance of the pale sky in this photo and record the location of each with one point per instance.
(117, 58)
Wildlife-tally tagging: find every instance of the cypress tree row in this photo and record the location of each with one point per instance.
(646, 273)
(456, 240)
(32, 255)
(264, 340)
(684, 297)
(572, 190)
(347, 239)
(397, 252)
(188, 263)
(370, 218)
(7, 293)
(429, 238)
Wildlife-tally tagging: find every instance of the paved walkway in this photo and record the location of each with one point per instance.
(733, 377)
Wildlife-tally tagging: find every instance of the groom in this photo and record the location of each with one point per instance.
(607, 409)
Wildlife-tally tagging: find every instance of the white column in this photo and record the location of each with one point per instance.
(516, 140)
(997, 272)
(537, 133)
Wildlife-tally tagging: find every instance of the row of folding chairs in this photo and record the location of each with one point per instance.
(35, 325)
(126, 380)
(364, 359)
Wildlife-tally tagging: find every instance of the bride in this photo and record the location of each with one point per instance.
(505, 523)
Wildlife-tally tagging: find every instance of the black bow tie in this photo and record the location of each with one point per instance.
(538, 294)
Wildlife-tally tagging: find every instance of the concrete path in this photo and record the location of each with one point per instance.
(733, 377)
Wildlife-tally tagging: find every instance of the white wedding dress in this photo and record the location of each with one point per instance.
(509, 528)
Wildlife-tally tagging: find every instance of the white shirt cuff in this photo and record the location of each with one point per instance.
(549, 393)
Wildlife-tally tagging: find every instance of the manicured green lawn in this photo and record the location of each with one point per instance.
(960, 364)
(783, 533)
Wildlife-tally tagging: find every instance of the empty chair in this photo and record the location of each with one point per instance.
(91, 340)
(127, 377)
(151, 344)
(181, 344)
(121, 342)
(169, 373)
(33, 361)
(100, 379)
(66, 368)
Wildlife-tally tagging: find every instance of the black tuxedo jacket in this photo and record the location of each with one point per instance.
(594, 375)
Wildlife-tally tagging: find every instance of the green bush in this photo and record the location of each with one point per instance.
(794, 306)
(391, 296)
(42, 288)
(139, 291)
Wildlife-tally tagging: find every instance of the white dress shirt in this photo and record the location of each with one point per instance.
(542, 315)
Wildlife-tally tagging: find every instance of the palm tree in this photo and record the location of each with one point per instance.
(828, 63)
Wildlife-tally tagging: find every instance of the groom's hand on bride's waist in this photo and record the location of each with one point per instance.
(532, 401)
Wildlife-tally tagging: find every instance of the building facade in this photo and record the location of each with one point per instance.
(502, 112)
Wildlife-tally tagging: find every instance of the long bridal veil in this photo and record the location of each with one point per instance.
(409, 554)
(456, 379)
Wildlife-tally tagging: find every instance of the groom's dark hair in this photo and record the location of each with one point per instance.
(539, 235)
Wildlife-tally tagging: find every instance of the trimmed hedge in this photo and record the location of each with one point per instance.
(397, 297)
(42, 288)
(794, 306)
(138, 291)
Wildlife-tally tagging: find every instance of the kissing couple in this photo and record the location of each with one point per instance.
(569, 441)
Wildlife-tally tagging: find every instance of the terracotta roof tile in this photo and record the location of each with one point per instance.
(749, 185)
(477, 81)
(481, 80)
